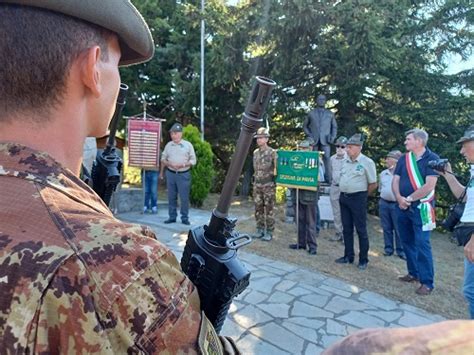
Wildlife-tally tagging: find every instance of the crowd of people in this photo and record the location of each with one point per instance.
(76, 279)
(406, 203)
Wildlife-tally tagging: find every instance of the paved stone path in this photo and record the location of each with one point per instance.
(288, 309)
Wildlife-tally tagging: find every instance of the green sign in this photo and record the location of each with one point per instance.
(297, 169)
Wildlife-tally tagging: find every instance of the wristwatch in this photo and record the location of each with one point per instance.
(409, 199)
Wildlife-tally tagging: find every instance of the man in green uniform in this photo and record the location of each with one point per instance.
(264, 185)
(73, 279)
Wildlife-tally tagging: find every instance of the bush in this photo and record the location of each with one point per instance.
(203, 172)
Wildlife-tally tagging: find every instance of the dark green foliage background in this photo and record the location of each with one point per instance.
(203, 172)
(382, 65)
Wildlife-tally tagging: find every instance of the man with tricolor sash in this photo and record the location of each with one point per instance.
(413, 185)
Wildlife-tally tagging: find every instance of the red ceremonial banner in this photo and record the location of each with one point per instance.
(143, 143)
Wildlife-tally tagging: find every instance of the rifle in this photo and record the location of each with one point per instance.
(210, 255)
(108, 164)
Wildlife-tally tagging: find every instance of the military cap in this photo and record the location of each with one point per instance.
(468, 135)
(341, 140)
(394, 154)
(262, 132)
(306, 143)
(356, 139)
(118, 16)
(177, 127)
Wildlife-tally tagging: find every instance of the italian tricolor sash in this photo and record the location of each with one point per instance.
(427, 212)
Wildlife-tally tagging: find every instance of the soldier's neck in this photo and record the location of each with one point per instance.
(65, 146)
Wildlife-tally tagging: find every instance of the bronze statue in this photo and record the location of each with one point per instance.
(320, 124)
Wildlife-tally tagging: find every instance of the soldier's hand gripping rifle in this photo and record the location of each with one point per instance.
(108, 164)
(210, 255)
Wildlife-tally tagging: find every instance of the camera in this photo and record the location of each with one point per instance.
(454, 216)
(438, 164)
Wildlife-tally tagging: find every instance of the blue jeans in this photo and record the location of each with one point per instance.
(468, 288)
(151, 188)
(388, 219)
(416, 244)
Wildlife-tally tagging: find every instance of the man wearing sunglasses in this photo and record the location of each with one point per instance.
(334, 191)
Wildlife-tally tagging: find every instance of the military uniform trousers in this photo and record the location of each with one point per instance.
(334, 194)
(354, 213)
(178, 183)
(264, 197)
(307, 225)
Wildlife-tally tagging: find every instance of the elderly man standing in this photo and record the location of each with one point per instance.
(358, 180)
(387, 207)
(413, 185)
(178, 157)
(334, 192)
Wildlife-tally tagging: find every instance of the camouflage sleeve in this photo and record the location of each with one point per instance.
(158, 310)
(450, 337)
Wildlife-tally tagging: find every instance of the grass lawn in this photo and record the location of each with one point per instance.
(382, 273)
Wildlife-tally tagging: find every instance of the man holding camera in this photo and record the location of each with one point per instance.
(413, 184)
(466, 227)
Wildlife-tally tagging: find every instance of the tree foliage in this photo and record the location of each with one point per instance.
(203, 172)
(381, 64)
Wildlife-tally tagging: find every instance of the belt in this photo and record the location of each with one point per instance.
(265, 180)
(349, 194)
(388, 200)
(177, 172)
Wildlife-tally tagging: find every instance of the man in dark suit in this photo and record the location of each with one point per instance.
(321, 125)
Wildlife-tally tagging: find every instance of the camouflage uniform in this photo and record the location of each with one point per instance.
(73, 279)
(264, 187)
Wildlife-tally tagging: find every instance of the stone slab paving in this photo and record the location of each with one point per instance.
(288, 309)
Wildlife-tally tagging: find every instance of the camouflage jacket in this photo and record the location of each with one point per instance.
(73, 279)
(264, 166)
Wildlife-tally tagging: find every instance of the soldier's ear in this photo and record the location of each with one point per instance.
(90, 70)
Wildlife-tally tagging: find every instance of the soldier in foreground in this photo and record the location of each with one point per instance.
(73, 279)
(264, 185)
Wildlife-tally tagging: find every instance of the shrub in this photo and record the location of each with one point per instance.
(203, 172)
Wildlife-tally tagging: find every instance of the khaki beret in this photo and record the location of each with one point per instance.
(177, 127)
(119, 16)
(468, 135)
(262, 132)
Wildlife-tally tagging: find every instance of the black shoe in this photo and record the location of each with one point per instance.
(344, 260)
(363, 265)
(169, 220)
(296, 246)
(387, 254)
(186, 222)
(312, 251)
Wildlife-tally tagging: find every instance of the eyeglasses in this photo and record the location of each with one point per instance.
(341, 146)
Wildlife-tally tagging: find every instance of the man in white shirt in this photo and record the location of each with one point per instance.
(334, 191)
